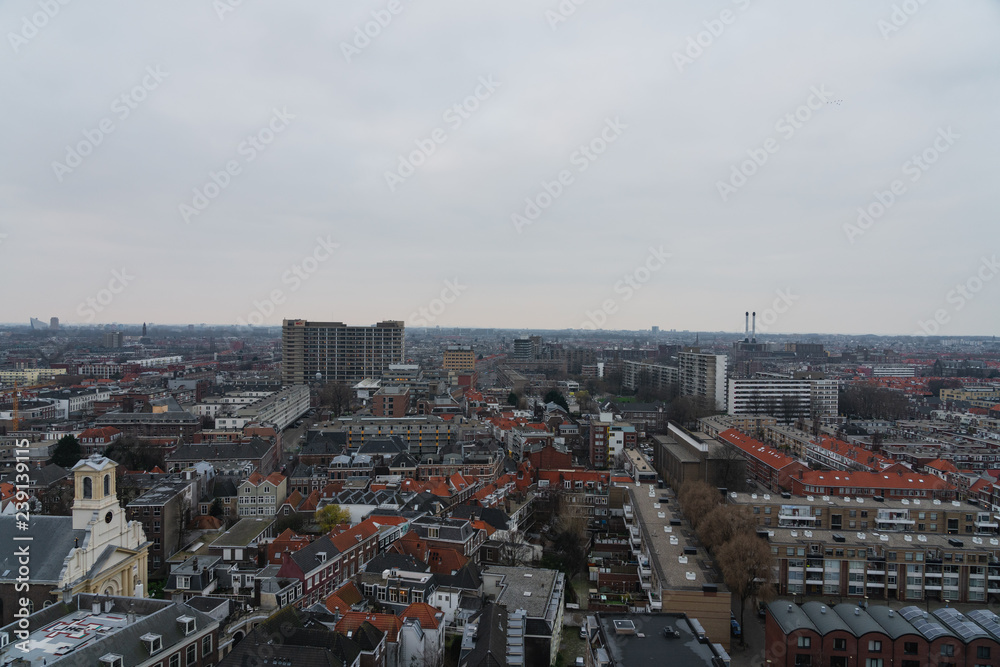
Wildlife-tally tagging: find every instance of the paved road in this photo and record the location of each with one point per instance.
(752, 655)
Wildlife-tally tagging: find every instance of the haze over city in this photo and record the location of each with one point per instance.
(540, 165)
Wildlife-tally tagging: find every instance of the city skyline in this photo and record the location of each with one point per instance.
(543, 165)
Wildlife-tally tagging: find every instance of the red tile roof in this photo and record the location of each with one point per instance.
(755, 449)
(423, 612)
(387, 623)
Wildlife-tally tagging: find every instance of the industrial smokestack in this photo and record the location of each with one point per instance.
(746, 329)
(753, 339)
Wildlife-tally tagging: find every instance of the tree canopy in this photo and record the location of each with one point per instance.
(67, 452)
(331, 516)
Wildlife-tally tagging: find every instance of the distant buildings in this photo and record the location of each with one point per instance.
(335, 352)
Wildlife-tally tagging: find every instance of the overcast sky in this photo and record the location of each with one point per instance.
(669, 114)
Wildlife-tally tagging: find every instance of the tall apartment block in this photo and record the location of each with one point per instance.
(703, 375)
(335, 352)
(784, 398)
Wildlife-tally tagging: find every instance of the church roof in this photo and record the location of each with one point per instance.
(52, 538)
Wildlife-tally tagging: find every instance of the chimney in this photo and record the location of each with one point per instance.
(753, 338)
(746, 328)
(95, 606)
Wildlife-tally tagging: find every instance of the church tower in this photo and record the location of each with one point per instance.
(94, 492)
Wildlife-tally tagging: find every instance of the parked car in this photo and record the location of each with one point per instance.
(734, 625)
(579, 661)
(761, 610)
(583, 633)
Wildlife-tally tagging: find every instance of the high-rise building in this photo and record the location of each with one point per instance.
(335, 352)
(786, 399)
(54, 323)
(113, 339)
(703, 375)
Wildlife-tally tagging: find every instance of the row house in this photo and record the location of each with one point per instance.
(764, 465)
(878, 636)
(260, 496)
(323, 565)
(896, 482)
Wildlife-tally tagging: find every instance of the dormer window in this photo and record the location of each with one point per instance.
(153, 643)
(111, 660)
(187, 624)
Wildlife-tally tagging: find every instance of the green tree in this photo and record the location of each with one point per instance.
(67, 452)
(555, 396)
(216, 509)
(331, 516)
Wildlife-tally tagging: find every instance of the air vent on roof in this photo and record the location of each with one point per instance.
(675, 522)
(691, 551)
(786, 494)
(955, 543)
(878, 499)
(837, 537)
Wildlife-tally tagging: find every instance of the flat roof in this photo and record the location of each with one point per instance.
(647, 644)
(853, 502)
(673, 567)
(889, 540)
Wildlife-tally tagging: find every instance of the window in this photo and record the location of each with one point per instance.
(840, 644)
(874, 646)
(183, 582)
(192, 654)
(107, 485)
(175, 660)
(873, 662)
(948, 649)
(804, 642)
(206, 646)
(909, 648)
(983, 652)
(88, 487)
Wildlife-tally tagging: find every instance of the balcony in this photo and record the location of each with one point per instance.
(875, 584)
(628, 513)
(878, 570)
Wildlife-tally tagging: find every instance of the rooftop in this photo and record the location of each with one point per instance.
(639, 640)
(667, 537)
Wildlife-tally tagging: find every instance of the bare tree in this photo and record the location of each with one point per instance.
(516, 551)
(697, 499)
(747, 567)
(336, 396)
(724, 523)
